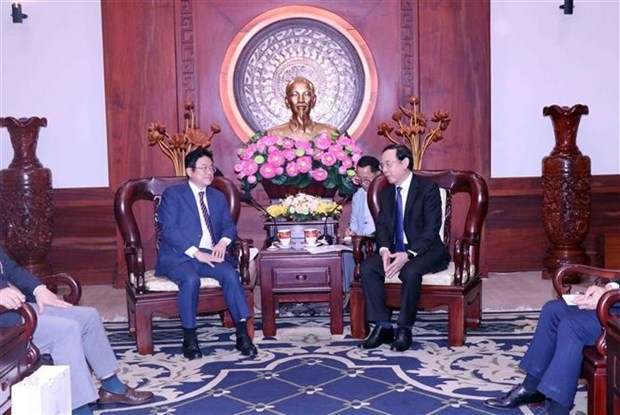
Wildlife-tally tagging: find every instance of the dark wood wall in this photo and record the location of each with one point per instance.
(158, 53)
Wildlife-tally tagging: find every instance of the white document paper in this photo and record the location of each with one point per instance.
(568, 298)
(327, 248)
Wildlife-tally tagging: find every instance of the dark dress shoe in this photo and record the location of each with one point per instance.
(245, 346)
(129, 397)
(402, 340)
(191, 350)
(378, 336)
(516, 397)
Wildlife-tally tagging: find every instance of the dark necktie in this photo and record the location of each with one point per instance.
(399, 237)
(205, 214)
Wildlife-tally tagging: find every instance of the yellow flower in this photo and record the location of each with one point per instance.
(302, 207)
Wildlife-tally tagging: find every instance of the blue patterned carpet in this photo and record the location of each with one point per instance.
(306, 370)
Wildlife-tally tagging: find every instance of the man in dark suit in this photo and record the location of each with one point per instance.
(409, 246)
(72, 335)
(553, 360)
(196, 229)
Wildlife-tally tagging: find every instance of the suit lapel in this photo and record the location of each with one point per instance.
(413, 189)
(190, 201)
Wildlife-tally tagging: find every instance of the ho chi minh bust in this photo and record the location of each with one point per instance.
(300, 98)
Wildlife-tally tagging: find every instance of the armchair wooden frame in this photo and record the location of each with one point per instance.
(594, 366)
(142, 304)
(463, 297)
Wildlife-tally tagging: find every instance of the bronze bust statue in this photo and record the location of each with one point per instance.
(300, 98)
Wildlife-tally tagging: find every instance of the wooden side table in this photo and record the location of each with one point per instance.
(291, 275)
(613, 367)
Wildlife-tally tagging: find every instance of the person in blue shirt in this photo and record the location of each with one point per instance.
(361, 221)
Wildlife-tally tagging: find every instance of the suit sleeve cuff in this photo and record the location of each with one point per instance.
(191, 251)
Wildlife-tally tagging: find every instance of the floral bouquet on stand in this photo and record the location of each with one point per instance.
(302, 207)
(328, 160)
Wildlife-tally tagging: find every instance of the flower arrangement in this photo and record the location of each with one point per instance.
(414, 132)
(328, 159)
(177, 146)
(302, 207)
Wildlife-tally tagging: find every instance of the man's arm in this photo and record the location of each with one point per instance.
(428, 231)
(176, 236)
(356, 223)
(12, 273)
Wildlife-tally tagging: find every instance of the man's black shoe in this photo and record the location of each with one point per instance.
(402, 340)
(516, 397)
(191, 350)
(379, 336)
(245, 346)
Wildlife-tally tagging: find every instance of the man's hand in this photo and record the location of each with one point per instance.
(209, 259)
(393, 263)
(589, 300)
(11, 297)
(219, 250)
(45, 297)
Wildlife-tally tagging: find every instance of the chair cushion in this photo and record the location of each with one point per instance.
(154, 282)
(445, 277)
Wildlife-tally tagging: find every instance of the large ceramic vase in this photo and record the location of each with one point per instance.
(565, 192)
(26, 208)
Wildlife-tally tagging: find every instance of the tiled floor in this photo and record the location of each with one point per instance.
(500, 291)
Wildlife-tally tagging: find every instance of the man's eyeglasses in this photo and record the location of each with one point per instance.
(388, 164)
(359, 180)
(208, 169)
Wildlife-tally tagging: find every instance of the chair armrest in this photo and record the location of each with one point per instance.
(30, 324)
(136, 268)
(603, 311)
(363, 246)
(75, 288)
(561, 287)
(241, 251)
(461, 256)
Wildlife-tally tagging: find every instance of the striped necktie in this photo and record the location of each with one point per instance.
(205, 214)
(399, 237)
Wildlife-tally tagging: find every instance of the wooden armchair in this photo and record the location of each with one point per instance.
(149, 295)
(459, 288)
(19, 357)
(594, 366)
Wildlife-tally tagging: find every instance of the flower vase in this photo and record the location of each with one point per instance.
(565, 192)
(275, 191)
(26, 208)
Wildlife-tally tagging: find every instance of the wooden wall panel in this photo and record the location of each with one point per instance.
(436, 49)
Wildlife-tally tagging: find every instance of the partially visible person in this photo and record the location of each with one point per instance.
(195, 230)
(72, 335)
(553, 360)
(361, 221)
(408, 244)
(300, 98)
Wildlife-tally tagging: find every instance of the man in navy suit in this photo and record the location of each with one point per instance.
(72, 335)
(553, 361)
(196, 229)
(408, 244)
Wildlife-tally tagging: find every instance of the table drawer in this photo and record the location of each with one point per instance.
(300, 276)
